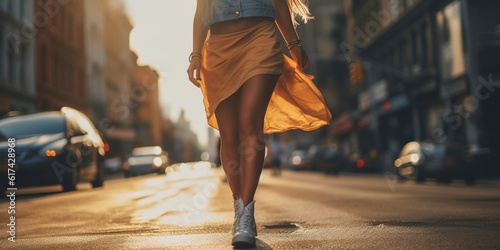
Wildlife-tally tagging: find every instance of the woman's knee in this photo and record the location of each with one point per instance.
(252, 138)
(250, 126)
(229, 141)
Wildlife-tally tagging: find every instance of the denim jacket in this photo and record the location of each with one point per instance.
(225, 10)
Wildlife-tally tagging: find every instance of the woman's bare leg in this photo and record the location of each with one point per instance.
(226, 114)
(241, 120)
(255, 95)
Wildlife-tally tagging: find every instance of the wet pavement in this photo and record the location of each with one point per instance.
(193, 210)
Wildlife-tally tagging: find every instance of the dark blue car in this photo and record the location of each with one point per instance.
(59, 147)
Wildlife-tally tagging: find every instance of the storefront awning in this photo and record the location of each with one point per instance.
(396, 103)
(363, 122)
(341, 125)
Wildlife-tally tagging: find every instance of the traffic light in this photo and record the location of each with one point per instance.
(356, 72)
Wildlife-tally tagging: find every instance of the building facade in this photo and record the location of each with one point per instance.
(187, 147)
(147, 107)
(119, 74)
(96, 59)
(17, 55)
(320, 38)
(60, 55)
(429, 75)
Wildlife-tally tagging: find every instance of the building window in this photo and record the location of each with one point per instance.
(43, 62)
(11, 8)
(61, 72)
(389, 58)
(54, 71)
(71, 80)
(436, 126)
(396, 7)
(11, 62)
(22, 5)
(22, 65)
(406, 55)
(424, 35)
(415, 53)
(449, 26)
(401, 63)
(2, 57)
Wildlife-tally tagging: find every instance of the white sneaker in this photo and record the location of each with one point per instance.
(245, 230)
(238, 209)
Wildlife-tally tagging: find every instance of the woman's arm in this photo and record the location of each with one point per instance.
(199, 36)
(285, 24)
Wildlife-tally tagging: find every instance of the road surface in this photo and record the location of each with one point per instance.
(299, 210)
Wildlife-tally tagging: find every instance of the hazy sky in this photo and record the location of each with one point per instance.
(162, 38)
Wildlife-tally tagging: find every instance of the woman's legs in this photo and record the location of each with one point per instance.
(226, 114)
(241, 120)
(255, 95)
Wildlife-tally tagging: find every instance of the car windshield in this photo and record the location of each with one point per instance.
(31, 125)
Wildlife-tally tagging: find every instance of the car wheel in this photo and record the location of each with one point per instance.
(470, 180)
(99, 178)
(445, 180)
(70, 179)
(420, 176)
(401, 179)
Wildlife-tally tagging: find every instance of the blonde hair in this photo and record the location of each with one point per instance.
(298, 10)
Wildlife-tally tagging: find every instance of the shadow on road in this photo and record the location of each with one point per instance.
(260, 245)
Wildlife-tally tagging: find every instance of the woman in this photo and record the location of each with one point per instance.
(250, 88)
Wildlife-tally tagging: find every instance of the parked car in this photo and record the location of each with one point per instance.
(145, 160)
(59, 147)
(331, 160)
(299, 160)
(363, 162)
(444, 162)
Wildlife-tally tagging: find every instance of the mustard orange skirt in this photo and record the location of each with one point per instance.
(231, 59)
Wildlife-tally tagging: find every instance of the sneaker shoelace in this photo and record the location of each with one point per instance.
(245, 222)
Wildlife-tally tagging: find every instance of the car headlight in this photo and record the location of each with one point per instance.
(414, 158)
(296, 160)
(157, 162)
(131, 161)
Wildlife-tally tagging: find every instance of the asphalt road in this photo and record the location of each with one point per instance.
(193, 210)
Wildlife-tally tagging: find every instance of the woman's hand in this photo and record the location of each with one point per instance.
(199, 36)
(285, 24)
(300, 57)
(194, 71)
